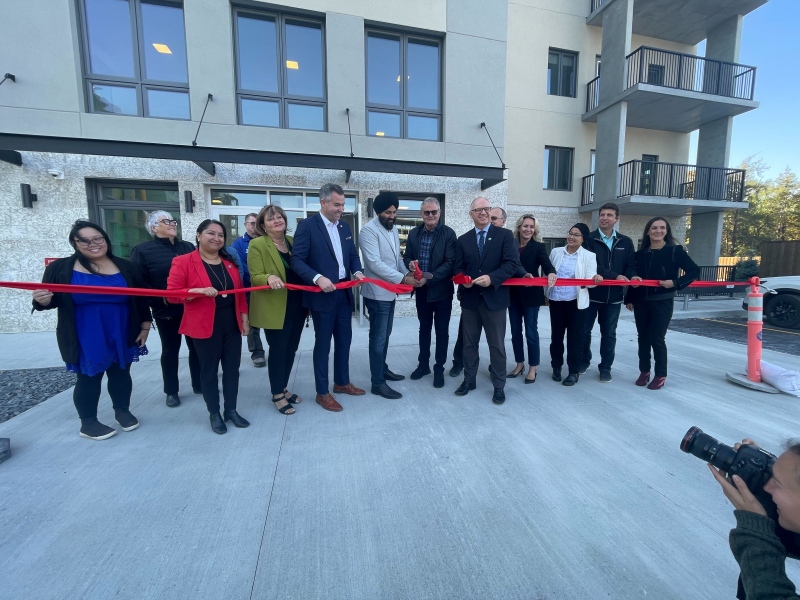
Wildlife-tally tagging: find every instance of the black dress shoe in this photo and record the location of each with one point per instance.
(571, 379)
(389, 376)
(557, 374)
(385, 391)
(438, 379)
(217, 424)
(465, 388)
(420, 372)
(173, 400)
(499, 396)
(456, 370)
(235, 418)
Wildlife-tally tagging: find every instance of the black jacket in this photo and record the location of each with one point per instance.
(154, 259)
(663, 264)
(533, 256)
(60, 271)
(442, 262)
(610, 263)
(500, 261)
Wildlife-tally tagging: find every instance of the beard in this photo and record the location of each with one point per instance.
(386, 222)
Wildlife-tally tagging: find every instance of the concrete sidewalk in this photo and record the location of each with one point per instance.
(559, 493)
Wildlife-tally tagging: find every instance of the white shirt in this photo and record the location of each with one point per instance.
(333, 233)
(566, 270)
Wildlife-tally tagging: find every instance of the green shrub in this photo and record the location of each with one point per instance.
(745, 269)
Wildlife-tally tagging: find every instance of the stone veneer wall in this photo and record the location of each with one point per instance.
(31, 235)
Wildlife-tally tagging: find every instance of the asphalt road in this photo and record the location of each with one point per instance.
(734, 329)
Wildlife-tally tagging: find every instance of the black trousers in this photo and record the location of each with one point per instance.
(170, 347)
(433, 315)
(86, 394)
(652, 320)
(254, 344)
(493, 322)
(458, 350)
(224, 346)
(565, 317)
(283, 345)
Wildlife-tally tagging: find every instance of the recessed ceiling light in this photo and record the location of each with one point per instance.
(292, 64)
(379, 133)
(162, 48)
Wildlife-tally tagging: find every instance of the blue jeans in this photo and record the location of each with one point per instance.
(381, 316)
(517, 314)
(607, 316)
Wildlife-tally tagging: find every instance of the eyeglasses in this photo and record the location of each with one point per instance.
(250, 223)
(96, 241)
(569, 235)
(168, 222)
(430, 213)
(478, 211)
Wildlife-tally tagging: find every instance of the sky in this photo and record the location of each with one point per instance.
(770, 42)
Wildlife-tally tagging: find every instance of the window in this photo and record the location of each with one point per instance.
(655, 74)
(280, 71)
(135, 58)
(120, 209)
(403, 86)
(561, 69)
(551, 243)
(558, 168)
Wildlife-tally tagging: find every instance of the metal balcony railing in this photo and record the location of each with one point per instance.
(587, 190)
(593, 94)
(595, 4)
(691, 73)
(688, 182)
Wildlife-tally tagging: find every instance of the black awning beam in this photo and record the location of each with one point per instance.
(203, 116)
(63, 145)
(208, 167)
(487, 183)
(9, 156)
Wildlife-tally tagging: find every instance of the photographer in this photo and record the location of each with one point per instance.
(755, 545)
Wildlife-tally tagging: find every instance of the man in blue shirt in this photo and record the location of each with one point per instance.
(241, 245)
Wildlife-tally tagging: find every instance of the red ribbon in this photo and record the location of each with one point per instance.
(542, 282)
(417, 272)
(397, 288)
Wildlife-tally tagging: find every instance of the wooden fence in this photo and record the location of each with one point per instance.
(780, 258)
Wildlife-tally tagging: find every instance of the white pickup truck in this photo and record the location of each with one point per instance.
(782, 308)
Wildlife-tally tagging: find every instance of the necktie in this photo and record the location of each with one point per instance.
(481, 243)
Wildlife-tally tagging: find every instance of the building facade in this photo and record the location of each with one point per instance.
(213, 108)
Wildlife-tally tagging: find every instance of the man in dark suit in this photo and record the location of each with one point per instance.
(488, 255)
(324, 254)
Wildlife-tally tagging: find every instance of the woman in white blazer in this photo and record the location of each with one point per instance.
(568, 304)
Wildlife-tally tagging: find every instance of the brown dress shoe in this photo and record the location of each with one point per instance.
(328, 402)
(348, 389)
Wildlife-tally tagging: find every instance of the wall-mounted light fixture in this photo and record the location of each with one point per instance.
(188, 202)
(28, 198)
(10, 76)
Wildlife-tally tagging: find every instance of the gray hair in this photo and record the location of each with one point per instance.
(502, 210)
(153, 218)
(430, 200)
(329, 188)
(472, 204)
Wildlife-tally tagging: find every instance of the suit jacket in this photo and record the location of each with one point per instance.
(313, 255)
(443, 259)
(268, 307)
(382, 259)
(187, 272)
(533, 256)
(60, 271)
(500, 261)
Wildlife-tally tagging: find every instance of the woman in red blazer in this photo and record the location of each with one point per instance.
(215, 322)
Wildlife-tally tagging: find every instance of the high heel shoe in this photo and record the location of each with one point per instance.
(516, 373)
(644, 377)
(217, 424)
(287, 409)
(657, 383)
(235, 418)
(527, 381)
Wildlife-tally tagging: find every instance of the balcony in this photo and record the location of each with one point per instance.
(683, 21)
(672, 189)
(672, 91)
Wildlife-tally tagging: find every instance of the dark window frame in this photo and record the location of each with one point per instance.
(561, 52)
(555, 187)
(404, 110)
(140, 83)
(281, 96)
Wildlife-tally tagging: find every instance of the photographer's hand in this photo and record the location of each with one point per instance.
(737, 492)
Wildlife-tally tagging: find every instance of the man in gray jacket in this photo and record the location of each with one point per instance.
(380, 249)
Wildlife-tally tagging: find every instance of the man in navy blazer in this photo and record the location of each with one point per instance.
(488, 255)
(324, 254)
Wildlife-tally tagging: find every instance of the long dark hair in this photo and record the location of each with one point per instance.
(223, 252)
(584, 229)
(85, 262)
(668, 239)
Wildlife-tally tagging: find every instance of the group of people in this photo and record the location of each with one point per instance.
(102, 334)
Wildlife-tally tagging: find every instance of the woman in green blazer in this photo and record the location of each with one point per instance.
(278, 311)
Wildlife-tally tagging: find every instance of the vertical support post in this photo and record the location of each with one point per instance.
(755, 324)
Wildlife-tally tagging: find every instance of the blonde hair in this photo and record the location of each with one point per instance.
(537, 237)
(270, 210)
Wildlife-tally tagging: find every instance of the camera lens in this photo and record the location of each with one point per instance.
(707, 448)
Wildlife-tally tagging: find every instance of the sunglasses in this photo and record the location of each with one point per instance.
(498, 219)
(430, 213)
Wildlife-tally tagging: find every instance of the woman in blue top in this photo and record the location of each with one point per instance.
(97, 333)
